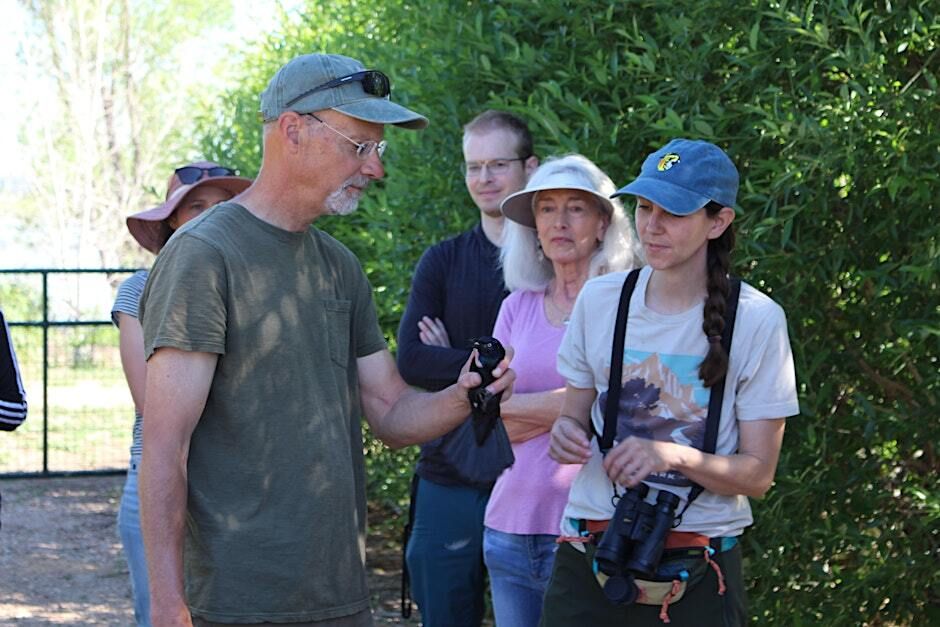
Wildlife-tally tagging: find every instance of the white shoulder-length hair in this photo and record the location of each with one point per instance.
(524, 265)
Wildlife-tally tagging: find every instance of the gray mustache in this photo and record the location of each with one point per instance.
(358, 181)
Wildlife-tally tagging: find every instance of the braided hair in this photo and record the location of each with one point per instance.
(718, 269)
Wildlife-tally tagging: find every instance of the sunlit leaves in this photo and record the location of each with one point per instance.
(830, 110)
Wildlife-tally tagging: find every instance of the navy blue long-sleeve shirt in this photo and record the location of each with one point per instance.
(459, 281)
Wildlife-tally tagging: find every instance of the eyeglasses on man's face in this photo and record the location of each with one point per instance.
(191, 173)
(496, 167)
(373, 82)
(363, 149)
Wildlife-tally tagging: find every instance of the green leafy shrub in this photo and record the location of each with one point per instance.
(830, 110)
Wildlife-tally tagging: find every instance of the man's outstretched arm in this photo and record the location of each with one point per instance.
(401, 416)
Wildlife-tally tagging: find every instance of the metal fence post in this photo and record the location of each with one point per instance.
(62, 448)
(45, 372)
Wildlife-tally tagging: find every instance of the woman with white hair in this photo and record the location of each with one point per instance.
(563, 229)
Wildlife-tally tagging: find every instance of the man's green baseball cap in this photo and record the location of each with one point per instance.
(313, 82)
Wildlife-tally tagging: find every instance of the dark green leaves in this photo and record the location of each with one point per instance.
(829, 108)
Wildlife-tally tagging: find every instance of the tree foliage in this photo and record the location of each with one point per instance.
(109, 105)
(829, 108)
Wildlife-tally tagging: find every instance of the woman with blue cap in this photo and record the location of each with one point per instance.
(694, 413)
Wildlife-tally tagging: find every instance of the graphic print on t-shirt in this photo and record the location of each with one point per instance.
(662, 398)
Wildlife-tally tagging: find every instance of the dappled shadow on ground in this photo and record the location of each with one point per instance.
(60, 553)
(61, 561)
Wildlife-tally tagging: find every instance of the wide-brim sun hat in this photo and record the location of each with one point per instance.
(569, 172)
(150, 228)
(295, 88)
(684, 175)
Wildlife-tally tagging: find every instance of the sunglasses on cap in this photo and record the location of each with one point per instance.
(374, 83)
(191, 173)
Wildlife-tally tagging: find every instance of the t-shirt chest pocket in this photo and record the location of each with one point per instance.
(337, 329)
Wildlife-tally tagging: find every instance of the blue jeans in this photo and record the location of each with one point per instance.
(520, 567)
(133, 541)
(445, 554)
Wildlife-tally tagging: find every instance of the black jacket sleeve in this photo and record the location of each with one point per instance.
(12, 395)
(429, 367)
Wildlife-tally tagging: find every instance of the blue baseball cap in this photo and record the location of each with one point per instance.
(684, 175)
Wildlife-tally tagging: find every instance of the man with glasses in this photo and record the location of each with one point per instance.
(455, 296)
(264, 351)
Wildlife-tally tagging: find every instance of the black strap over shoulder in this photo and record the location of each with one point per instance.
(717, 392)
(606, 440)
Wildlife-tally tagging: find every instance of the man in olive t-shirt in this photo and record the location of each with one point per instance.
(263, 352)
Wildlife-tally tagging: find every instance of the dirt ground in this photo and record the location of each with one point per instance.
(61, 561)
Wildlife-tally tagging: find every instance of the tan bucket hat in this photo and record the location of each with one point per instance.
(149, 227)
(568, 172)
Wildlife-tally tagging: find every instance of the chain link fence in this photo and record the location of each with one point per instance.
(80, 410)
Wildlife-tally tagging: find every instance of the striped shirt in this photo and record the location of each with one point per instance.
(128, 302)
(12, 394)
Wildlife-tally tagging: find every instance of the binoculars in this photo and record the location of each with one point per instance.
(633, 543)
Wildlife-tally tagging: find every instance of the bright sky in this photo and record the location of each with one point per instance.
(10, 114)
(251, 18)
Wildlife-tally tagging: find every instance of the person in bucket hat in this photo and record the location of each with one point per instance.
(13, 404)
(191, 189)
(561, 230)
(613, 250)
(153, 227)
(673, 356)
(264, 347)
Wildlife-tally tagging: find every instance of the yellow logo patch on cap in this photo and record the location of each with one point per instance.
(667, 162)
